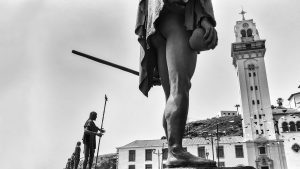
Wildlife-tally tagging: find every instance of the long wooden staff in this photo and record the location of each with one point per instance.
(101, 130)
(106, 62)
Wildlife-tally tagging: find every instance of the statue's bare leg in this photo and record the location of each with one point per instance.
(159, 43)
(180, 61)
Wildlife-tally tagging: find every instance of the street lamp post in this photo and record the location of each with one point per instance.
(212, 141)
(158, 156)
(212, 145)
(218, 152)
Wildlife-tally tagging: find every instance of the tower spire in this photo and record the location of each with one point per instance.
(243, 13)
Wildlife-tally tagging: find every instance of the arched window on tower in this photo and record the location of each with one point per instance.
(292, 126)
(285, 127)
(251, 67)
(298, 125)
(243, 33)
(249, 32)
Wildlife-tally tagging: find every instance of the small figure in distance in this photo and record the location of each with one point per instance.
(72, 161)
(68, 165)
(89, 139)
(77, 154)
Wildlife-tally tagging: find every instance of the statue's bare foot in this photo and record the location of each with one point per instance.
(181, 158)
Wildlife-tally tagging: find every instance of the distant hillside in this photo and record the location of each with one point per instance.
(228, 125)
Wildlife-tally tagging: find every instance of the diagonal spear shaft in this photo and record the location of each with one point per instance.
(101, 129)
(106, 62)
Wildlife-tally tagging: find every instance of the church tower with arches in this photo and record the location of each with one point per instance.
(248, 54)
(264, 149)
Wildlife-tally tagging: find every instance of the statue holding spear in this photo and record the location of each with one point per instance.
(89, 138)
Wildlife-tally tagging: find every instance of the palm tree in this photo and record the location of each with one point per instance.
(237, 108)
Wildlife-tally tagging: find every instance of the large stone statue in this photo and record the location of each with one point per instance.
(89, 139)
(171, 33)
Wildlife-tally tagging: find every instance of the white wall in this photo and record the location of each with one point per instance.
(229, 156)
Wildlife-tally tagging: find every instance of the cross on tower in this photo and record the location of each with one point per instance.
(243, 14)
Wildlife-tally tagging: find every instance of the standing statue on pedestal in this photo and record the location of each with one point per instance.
(171, 33)
(77, 154)
(68, 165)
(89, 139)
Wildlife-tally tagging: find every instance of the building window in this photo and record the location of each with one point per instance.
(249, 32)
(251, 88)
(262, 150)
(262, 131)
(256, 131)
(298, 125)
(220, 152)
(253, 102)
(285, 127)
(148, 154)
(256, 88)
(221, 164)
(258, 102)
(148, 166)
(131, 155)
(249, 74)
(259, 116)
(251, 66)
(239, 152)
(292, 126)
(201, 152)
(165, 153)
(243, 33)
(131, 167)
(255, 117)
(254, 74)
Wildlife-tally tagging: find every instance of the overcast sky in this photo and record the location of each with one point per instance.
(46, 92)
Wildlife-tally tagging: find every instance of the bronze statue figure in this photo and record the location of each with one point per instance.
(171, 34)
(89, 139)
(77, 154)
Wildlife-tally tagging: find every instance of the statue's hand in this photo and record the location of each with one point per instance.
(210, 36)
(99, 134)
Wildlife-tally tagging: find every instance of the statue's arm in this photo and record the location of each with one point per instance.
(87, 131)
(207, 12)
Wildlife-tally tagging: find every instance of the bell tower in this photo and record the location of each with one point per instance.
(248, 54)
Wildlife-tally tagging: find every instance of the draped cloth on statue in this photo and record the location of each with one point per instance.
(147, 15)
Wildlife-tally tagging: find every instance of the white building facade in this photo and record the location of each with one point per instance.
(294, 100)
(151, 154)
(288, 129)
(228, 113)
